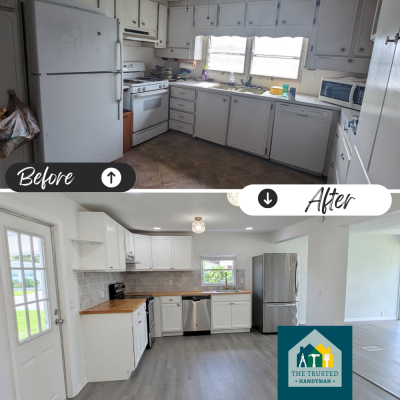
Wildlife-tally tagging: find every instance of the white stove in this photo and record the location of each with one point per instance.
(148, 98)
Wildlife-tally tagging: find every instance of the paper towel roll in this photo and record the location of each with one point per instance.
(186, 65)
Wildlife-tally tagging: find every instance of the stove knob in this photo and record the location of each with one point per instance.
(143, 89)
(164, 85)
(160, 86)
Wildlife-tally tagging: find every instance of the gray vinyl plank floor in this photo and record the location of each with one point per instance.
(214, 367)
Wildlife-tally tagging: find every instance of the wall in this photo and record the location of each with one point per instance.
(138, 51)
(372, 277)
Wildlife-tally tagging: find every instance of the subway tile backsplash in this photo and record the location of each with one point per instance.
(93, 286)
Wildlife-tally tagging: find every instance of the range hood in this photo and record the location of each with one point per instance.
(130, 259)
(143, 36)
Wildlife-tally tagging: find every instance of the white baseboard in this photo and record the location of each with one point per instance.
(81, 385)
(302, 322)
(370, 319)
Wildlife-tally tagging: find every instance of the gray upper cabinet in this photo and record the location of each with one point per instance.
(232, 15)
(180, 27)
(364, 45)
(206, 16)
(335, 26)
(297, 13)
(261, 14)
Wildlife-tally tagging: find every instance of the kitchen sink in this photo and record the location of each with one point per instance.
(226, 87)
(251, 90)
(240, 89)
(228, 291)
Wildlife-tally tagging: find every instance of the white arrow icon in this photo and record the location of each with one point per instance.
(268, 201)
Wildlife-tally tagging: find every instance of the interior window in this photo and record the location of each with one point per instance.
(226, 53)
(279, 58)
(214, 270)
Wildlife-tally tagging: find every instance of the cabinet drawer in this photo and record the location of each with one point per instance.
(181, 126)
(230, 297)
(138, 313)
(342, 160)
(183, 93)
(171, 299)
(182, 105)
(182, 116)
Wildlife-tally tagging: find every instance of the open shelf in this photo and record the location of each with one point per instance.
(92, 242)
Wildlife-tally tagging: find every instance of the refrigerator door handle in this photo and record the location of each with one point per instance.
(295, 278)
(281, 304)
(121, 62)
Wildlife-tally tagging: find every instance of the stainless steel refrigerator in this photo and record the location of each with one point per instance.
(275, 291)
(74, 56)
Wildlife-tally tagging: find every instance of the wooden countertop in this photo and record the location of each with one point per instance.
(115, 306)
(185, 293)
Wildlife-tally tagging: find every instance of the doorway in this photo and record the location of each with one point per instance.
(32, 307)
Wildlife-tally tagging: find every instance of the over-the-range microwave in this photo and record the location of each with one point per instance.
(345, 92)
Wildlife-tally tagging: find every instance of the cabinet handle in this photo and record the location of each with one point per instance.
(181, 116)
(395, 40)
(178, 305)
(341, 156)
(160, 41)
(350, 60)
(140, 322)
(111, 267)
(251, 22)
(342, 49)
(331, 165)
(187, 43)
(172, 50)
(235, 101)
(224, 100)
(143, 23)
(362, 49)
(283, 22)
(212, 23)
(171, 299)
(134, 22)
(337, 135)
(238, 22)
(182, 105)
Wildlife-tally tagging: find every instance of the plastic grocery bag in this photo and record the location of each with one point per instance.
(19, 127)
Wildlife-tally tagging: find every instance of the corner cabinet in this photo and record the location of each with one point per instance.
(162, 27)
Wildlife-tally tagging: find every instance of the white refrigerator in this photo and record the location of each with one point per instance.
(74, 56)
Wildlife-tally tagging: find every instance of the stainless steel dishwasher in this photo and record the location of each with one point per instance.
(196, 314)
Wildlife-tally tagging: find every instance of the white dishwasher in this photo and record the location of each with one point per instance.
(300, 136)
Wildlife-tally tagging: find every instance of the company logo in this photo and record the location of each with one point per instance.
(315, 362)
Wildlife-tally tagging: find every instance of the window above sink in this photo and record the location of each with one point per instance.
(214, 270)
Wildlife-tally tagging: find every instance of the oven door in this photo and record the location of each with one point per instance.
(149, 109)
(337, 93)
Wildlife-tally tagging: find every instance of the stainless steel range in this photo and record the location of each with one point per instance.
(148, 98)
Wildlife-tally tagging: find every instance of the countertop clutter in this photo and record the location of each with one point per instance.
(115, 307)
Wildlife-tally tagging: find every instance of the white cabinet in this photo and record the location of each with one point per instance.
(161, 253)
(364, 45)
(148, 15)
(171, 316)
(182, 257)
(335, 26)
(112, 244)
(129, 243)
(229, 312)
(140, 338)
(128, 12)
(205, 16)
(143, 252)
(109, 6)
(297, 13)
(232, 15)
(250, 133)
(180, 27)
(261, 14)
(212, 117)
(162, 27)
(121, 247)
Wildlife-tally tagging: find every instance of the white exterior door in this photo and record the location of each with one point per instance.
(148, 15)
(162, 27)
(262, 14)
(255, 124)
(221, 315)
(30, 299)
(206, 16)
(335, 26)
(161, 253)
(232, 15)
(297, 13)
(171, 317)
(182, 253)
(212, 117)
(180, 27)
(143, 252)
(128, 12)
(241, 314)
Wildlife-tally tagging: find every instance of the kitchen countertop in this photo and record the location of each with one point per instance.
(301, 99)
(115, 306)
(184, 293)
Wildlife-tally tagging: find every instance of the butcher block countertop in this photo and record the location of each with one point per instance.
(115, 306)
(185, 293)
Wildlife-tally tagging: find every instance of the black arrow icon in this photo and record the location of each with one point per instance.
(111, 175)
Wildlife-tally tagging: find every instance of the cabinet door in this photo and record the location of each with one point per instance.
(205, 16)
(182, 252)
(232, 15)
(107, 5)
(212, 117)
(145, 337)
(297, 13)
(221, 315)
(128, 12)
(127, 246)
(241, 314)
(162, 27)
(143, 252)
(180, 27)
(171, 317)
(131, 243)
(335, 26)
(249, 133)
(121, 247)
(112, 244)
(161, 252)
(262, 14)
(137, 341)
(148, 15)
(364, 44)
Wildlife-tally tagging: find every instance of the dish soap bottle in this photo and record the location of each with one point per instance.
(231, 79)
(204, 73)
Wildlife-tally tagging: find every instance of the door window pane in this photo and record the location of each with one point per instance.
(33, 319)
(41, 284)
(22, 325)
(26, 251)
(13, 249)
(37, 252)
(44, 315)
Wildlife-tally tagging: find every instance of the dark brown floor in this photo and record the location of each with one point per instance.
(175, 160)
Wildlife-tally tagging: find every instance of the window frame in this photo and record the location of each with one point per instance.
(218, 257)
(249, 58)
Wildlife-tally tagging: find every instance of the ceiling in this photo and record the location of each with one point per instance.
(387, 224)
(175, 212)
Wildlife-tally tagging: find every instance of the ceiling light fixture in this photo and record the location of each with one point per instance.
(156, 228)
(233, 198)
(249, 228)
(198, 226)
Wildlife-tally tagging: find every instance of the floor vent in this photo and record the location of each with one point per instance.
(371, 348)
